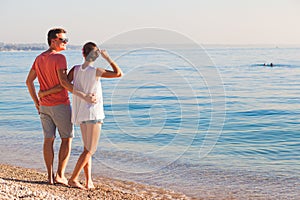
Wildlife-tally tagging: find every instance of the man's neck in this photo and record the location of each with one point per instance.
(51, 50)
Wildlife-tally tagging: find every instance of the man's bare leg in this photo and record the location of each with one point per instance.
(63, 158)
(48, 158)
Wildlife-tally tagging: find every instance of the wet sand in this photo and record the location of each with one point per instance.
(22, 183)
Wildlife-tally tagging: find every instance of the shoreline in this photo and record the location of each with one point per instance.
(23, 183)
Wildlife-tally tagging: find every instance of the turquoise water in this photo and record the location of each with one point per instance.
(228, 123)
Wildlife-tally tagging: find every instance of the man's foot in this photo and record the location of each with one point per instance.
(61, 180)
(76, 184)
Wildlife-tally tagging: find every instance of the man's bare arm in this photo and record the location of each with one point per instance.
(53, 90)
(31, 88)
(64, 82)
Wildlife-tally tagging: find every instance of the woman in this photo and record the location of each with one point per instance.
(86, 79)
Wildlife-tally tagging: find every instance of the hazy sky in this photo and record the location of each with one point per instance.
(205, 21)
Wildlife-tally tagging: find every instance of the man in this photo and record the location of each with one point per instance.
(50, 67)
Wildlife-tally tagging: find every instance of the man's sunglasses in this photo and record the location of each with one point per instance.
(64, 40)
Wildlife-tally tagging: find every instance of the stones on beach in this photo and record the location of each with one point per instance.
(11, 190)
(20, 183)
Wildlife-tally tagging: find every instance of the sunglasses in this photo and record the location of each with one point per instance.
(64, 40)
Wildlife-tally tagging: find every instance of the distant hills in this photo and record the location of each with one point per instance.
(29, 47)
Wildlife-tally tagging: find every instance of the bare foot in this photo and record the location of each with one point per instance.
(61, 180)
(90, 185)
(76, 184)
(51, 179)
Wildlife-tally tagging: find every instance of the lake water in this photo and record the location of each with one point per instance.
(190, 120)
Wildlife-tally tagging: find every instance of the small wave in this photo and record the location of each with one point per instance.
(265, 112)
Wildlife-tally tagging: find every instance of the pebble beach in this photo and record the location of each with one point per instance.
(23, 183)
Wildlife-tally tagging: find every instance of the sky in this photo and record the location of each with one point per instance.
(203, 21)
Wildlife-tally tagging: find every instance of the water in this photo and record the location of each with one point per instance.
(229, 125)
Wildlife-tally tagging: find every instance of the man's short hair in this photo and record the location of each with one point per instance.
(52, 34)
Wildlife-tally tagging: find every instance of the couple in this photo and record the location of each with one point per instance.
(53, 104)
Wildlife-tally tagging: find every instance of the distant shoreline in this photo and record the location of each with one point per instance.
(29, 47)
(41, 46)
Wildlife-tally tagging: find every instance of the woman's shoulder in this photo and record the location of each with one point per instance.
(100, 69)
(75, 67)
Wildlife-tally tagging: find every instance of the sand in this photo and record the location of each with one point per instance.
(22, 183)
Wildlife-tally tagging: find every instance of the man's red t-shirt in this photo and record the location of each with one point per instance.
(46, 66)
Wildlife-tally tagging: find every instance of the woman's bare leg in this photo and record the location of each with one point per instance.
(90, 135)
(91, 145)
(88, 175)
(73, 181)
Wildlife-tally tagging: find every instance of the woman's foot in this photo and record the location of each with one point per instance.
(51, 179)
(89, 185)
(76, 184)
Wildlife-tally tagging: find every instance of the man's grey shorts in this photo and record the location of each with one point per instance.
(59, 117)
